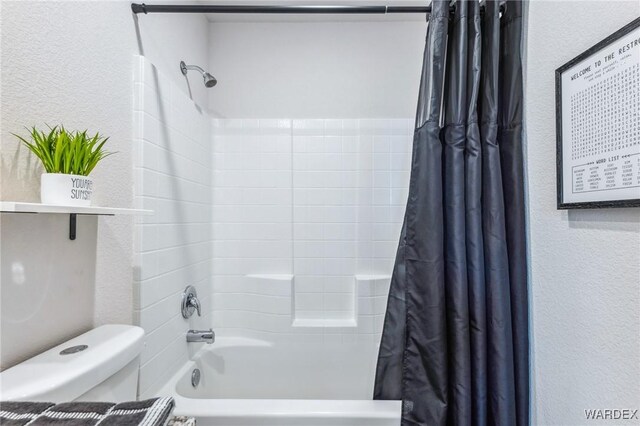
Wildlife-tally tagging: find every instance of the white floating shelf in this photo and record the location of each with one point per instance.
(18, 207)
(72, 211)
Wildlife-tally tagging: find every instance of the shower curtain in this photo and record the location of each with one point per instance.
(454, 346)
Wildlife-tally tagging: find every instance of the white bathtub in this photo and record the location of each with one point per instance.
(249, 382)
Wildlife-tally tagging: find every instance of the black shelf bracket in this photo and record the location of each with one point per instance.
(73, 218)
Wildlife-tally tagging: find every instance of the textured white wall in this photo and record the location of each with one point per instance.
(316, 69)
(44, 300)
(585, 264)
(72, 63)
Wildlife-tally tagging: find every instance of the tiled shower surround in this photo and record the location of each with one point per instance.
(173, 246)
(307, 215)
(287, 228)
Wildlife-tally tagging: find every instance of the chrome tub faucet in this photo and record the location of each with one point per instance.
(191, 304)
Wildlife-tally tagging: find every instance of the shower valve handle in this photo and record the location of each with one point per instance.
(190, 302)
(195, 303)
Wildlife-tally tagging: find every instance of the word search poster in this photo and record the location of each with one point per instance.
(598, 113)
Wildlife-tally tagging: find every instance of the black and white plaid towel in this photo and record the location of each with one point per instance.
(151, 412)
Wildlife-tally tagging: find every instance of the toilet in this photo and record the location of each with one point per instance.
(99, 365)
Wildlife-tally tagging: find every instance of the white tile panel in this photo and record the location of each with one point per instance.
(172, 152)
(321, 200)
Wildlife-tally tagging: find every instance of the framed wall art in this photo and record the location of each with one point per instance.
(598, 124)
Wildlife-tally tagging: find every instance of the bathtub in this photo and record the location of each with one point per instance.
(249, 382)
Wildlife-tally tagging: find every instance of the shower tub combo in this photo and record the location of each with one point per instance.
(315, 374)
(300, 260)
(251, 382)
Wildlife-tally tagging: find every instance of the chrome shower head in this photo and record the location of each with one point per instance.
(209, 80)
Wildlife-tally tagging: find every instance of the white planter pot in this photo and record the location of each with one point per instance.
(66, 190)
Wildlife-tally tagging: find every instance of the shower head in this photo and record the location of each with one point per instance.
(209, 80)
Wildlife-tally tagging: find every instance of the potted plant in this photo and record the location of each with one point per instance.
(67, 157)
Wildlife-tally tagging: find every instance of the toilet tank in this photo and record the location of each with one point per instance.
(99, 365)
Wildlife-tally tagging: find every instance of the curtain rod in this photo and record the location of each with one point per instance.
(199, 8)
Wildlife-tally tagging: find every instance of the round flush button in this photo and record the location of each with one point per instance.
(73, 349)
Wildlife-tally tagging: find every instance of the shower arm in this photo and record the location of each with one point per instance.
(184, 68)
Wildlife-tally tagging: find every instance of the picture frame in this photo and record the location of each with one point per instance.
(598, 124)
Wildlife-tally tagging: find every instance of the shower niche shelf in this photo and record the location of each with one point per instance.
(72, 211)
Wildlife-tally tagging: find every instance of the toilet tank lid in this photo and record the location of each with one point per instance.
(109, 348)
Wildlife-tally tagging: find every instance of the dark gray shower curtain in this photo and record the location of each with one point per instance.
(455, 345)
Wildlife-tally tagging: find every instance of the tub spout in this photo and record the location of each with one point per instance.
(206, 336)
